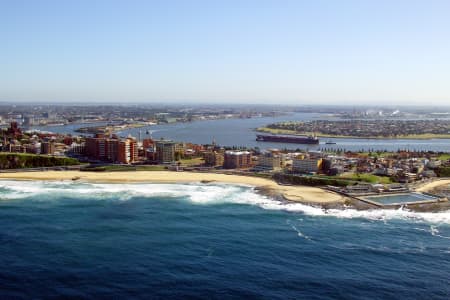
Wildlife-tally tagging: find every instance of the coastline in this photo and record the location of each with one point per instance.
(322, 135)
(303, 194)
(432, 185)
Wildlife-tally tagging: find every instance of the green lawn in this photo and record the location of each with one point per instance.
(25, 160)
(444, 157)
(116, 168)
(367, 178)
(192, 162)
(151, 168)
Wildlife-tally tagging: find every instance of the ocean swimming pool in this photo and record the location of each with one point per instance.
(401, 198)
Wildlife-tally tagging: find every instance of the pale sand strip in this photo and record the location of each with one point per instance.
(430, 186)
(292, 193)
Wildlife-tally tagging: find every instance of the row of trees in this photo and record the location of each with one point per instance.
(19, 160)
(443, 171)
(310, 180)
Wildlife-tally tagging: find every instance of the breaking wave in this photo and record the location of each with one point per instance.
(197, 193)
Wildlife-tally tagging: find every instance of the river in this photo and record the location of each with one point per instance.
(240, 132)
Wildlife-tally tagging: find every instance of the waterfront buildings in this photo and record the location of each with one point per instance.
(165, 151)
(127, 151)
(307, 165)
(48, 147)
(213, 158)
(95, 147)
(270, 161)
(112, 149)
(237, 159)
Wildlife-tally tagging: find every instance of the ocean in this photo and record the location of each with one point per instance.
(210, 241)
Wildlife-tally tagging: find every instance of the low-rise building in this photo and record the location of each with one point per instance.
(433, 164)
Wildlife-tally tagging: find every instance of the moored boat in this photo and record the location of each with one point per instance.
(295, 139)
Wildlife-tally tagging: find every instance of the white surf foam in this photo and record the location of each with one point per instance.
(201, 194)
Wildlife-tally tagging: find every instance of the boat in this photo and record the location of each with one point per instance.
(330, 142)
(295, 139)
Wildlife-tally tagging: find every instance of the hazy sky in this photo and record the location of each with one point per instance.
(395, 52)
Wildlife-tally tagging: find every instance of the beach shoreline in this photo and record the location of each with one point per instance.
(314, 196)
(428, 187)
(302, 194)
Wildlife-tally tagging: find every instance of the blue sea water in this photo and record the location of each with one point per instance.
(213, 241)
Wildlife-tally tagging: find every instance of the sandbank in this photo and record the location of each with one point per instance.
(291, 193)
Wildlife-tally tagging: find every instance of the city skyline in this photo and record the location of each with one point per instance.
(289, 52)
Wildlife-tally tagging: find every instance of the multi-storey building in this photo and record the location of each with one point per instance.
(180, 148)
(237, 159)
(77, 149)
(269, 161)
(48, 147)
(127, 151)
(165, 151)
(112, 149)
(95, 147)
(306, 165)
(147, 143)
(213, 158)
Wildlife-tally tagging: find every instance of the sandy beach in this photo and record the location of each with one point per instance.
(432, 185)
(292, 193)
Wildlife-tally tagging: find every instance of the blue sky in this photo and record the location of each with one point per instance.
(293, 52)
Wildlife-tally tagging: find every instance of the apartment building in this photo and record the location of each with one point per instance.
(237, 159)
(213, 158)
(165, 151)
(308, 165)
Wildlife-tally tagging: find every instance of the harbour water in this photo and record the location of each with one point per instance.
(240, 132)
(92, 240)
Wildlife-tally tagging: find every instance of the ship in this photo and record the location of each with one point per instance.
(295, 139)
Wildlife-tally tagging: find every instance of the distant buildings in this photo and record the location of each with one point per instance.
(14, 130)
(402, 166)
